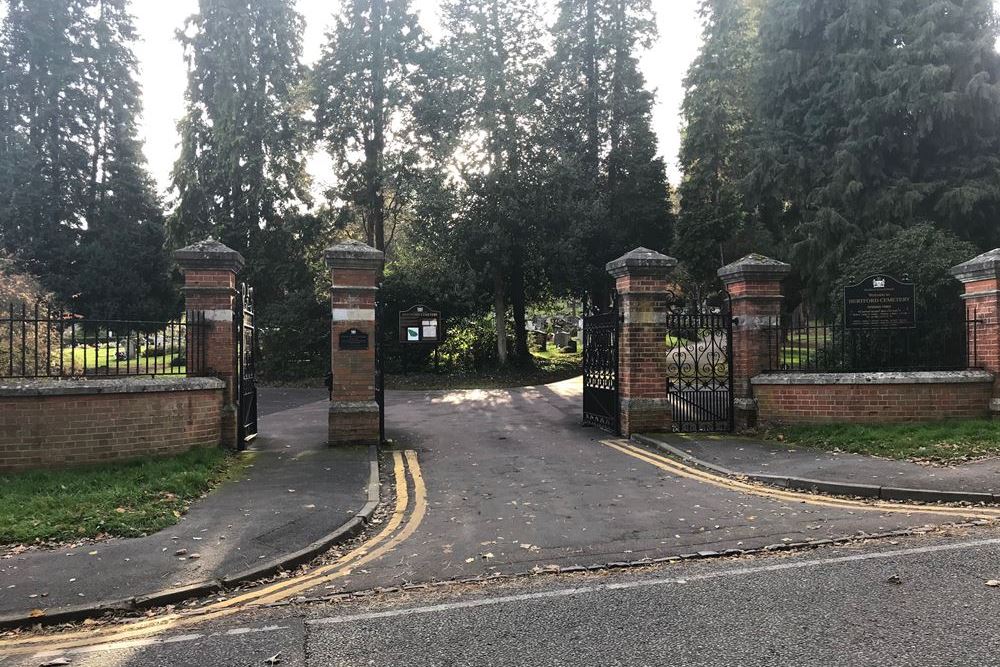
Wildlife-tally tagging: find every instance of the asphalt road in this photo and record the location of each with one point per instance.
(923, 601)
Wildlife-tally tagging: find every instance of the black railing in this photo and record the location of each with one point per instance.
(816, 347)
(41, 342)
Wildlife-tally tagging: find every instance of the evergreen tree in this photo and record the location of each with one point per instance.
(714, 153)
(605, 189)
(241, 170)
(44, 141)
(493, 53)
(366, 87)
(76, 204)
(875, 115)
(124, 271)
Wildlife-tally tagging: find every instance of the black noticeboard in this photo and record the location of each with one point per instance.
(419, 324)
(352, 339)
(879, 302)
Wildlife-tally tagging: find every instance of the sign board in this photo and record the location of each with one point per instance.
(419, 324)
(879, 302)
(352, 339)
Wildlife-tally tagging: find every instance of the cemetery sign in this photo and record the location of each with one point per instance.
(879, 302)
(352, 339)
(419, 324)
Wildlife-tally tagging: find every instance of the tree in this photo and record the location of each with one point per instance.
(493, 54)
(44, 140)
(243, 138)
(605, 190)
(124, 272)
(366, 88)
(78, 206)
(714, 153)
(877, 114)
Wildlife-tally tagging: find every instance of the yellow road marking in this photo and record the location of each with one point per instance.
(682, 470)
(269, 594)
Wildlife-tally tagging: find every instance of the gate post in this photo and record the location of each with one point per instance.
(210, 269)
(642, 279)
(355, 273)
(754, 286)
(980, 278)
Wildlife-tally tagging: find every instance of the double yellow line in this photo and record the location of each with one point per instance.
(720, 481)
(406, 517)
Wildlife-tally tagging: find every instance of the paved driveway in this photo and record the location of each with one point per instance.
(515, 482)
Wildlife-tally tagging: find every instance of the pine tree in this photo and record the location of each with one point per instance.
(366, 88)
(241, 169)
(493, 53)
(714, 154)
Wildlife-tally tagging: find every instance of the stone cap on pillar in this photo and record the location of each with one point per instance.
(754, 267)
(354, 255)
(983, 267)
(641, 261)
(209, 254)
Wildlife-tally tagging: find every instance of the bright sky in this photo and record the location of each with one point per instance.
(163, 74)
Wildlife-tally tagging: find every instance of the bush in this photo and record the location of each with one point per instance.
(924, 253)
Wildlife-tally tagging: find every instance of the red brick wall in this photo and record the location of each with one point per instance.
(871, 403)
(51, 431)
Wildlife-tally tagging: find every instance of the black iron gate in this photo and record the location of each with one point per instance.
(600, 369)
(379, 371)
(700, 370)
(247, 382)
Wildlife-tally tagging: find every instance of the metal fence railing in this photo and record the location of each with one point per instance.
(817, 347)
(42, 342)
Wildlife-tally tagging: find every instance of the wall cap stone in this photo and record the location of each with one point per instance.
(754, 267)
(354, 255)
(981, 267)
(911, 377)
(122, 385)
(641, 261)
(209, 254)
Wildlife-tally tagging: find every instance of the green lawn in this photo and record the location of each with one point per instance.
(74, 358)
(952, 441)
(117, 499)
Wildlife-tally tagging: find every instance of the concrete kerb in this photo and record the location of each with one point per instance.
(342, 533)
(823, 486)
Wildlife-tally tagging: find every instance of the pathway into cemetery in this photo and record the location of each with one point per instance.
(513, 483)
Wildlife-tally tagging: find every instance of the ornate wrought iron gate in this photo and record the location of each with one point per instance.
(246, 391)
(600, 369)
(699, 369)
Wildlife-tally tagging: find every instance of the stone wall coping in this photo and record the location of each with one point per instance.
(981, 267)
(209, 254)
(354, 255)
(754, 267)
(89, 386)
(910, 377)
(641, 261)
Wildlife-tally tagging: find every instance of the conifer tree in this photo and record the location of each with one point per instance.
(241, 171)
(366, 89)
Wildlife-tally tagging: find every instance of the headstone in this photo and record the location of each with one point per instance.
(562, 339)
(541, 339)
(569, 347)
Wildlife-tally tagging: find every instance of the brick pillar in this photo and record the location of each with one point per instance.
(210, 270)
(980, 277)
(642, 278)
(356, 270)
(754, 285)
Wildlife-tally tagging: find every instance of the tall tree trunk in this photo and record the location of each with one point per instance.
(500, 313)
(376, 194)
(518, 305)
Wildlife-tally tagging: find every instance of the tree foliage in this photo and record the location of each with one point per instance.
(75, 197)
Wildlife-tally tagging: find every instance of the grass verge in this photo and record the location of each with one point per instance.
(116, 500)
(951, 441)
(552, 366)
